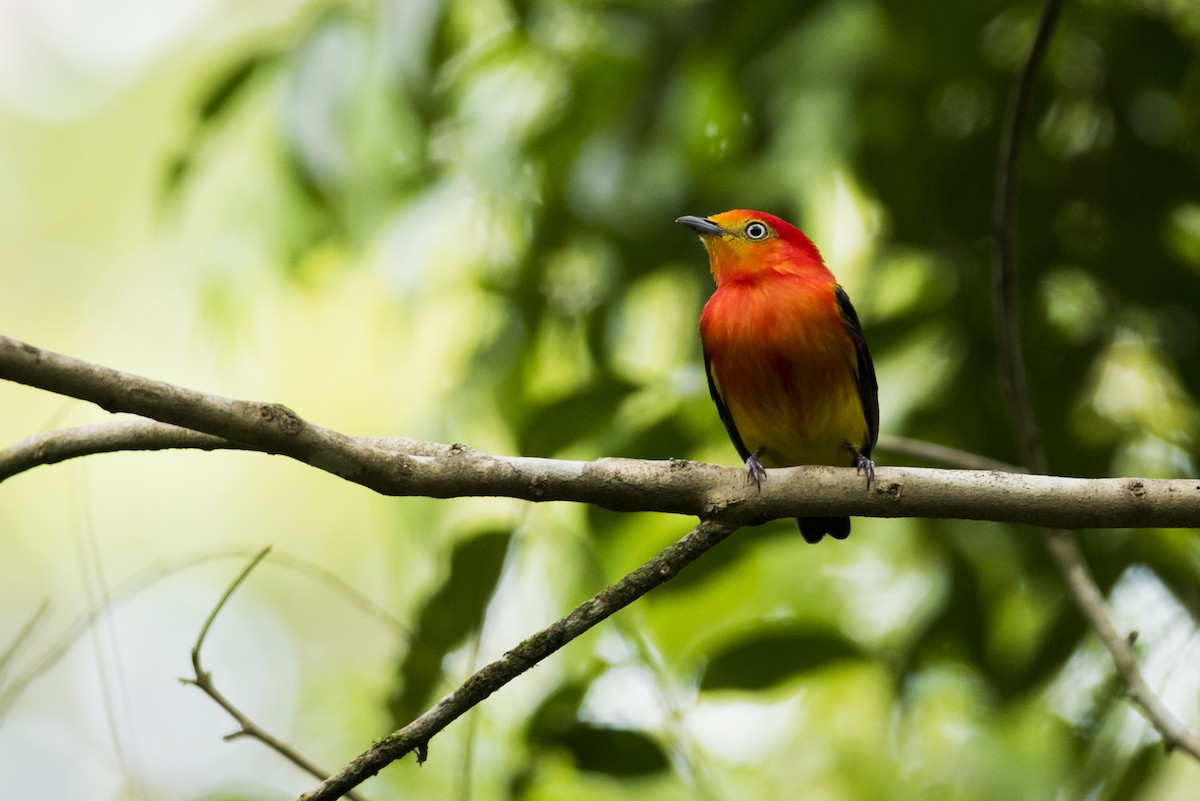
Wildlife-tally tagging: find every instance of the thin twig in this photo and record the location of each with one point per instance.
(23, 635)
(155, 572)
(415, 736)
(53, 447)
(114, 689)
(943, 454)
(212, 616)
(83, 622)
(1062, 544)
(1004, 269)
(246, 727)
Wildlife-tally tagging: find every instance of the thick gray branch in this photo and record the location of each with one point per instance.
(399, 466)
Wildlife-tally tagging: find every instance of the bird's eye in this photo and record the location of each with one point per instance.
(757, 230)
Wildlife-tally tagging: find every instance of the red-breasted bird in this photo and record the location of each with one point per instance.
(787, 361)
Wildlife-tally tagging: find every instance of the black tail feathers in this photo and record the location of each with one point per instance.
(814, 528)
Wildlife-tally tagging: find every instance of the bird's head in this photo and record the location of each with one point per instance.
(741, 243)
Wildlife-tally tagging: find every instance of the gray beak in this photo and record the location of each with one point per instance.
(701, 225)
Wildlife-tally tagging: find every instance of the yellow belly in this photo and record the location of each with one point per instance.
(814, 428)
(785, 368)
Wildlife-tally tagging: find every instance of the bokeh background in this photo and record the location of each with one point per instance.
(452, 220)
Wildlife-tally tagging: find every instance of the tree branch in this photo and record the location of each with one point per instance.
(1062, 544)
(114, 436)
(1065, 548)
(416, 735)
(246, 727)
(405, 467)
(1004, 270)
(6, 657)
(938, 454)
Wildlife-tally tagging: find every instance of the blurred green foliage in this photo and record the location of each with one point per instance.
(505, 172)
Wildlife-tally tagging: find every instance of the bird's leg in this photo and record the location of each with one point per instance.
(754, 468)
(863, 464)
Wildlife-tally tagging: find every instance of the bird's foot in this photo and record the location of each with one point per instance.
(863, 464)
(754, 469)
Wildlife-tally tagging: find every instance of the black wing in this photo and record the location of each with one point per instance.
(723, 410)
(868, 387)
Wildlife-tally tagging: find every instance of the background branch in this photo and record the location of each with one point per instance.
(1005, 281)
(22, 636)
(1062, 544)
(939, 454)
(400, 466)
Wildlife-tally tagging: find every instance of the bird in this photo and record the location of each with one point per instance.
(787, 360)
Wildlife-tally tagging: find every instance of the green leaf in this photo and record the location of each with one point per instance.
(957, 629)
(765, 658)
(1136, 773)
(231, 83)
(454, 612)
(617, 752)
(558, 424)
(598, 749)
(556, 714)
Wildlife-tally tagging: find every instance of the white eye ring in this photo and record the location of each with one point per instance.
(757, 230)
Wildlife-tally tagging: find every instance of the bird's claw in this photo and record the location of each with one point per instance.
(754, 469)
(863, 464)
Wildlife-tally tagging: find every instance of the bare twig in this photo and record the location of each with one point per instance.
(1004, 270)
(1065, 548)
(113, 436)
(23, 635)
(246, 727)
(415, 736)
(141, 434)
(1062, 544)
(148, 576)
(943, 454)
(399, 466)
